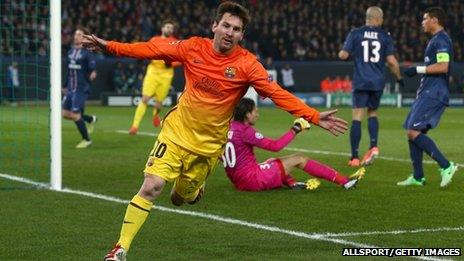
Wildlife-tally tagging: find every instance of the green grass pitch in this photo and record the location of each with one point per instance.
(39, 224)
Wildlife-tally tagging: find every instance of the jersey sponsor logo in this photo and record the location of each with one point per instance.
(426, 59)
(175, 42)
(259, 135)
(230, 72)
(416, 124)
(270, 78)
(198, 61)
(210, 86)
(74, 66)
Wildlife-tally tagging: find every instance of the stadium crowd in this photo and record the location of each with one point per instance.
(284, 30)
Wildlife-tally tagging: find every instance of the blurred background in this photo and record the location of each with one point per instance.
(298, 38)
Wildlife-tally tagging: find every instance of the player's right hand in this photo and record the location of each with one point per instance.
(93, 43)
(300, 124)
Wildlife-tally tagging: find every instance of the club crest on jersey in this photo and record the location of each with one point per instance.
(270, 78)
(230, 72)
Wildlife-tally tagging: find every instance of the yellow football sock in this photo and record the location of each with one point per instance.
(136, 214)
(155, 112)
(139, 112)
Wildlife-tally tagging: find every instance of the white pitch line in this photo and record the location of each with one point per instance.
(143, 133)
(324, 152)
(394, 232)
(327, 237)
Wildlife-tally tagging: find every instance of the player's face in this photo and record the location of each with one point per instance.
(252, 116)
(167, 30)
(227, 33)
(78, 37)
(427, 23)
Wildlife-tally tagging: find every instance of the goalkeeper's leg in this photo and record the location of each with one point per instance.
(313, 168)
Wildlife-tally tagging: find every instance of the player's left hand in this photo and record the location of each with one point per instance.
(411, 71)
(328, 121)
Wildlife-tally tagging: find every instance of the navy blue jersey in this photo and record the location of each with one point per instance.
(81, 62)
(369, 46)
(436, 85)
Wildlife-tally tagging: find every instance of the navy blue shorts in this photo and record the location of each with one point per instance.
(425, 114)
(364, 98)
(74, 102)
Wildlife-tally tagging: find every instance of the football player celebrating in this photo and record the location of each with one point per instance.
(218, 73)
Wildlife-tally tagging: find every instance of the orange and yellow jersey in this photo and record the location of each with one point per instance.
(215, 83)
(158, 68)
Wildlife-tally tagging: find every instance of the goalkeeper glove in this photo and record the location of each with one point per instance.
(300, 124)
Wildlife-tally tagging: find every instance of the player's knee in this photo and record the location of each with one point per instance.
(157, 105)
(151, 187)
(75, 116)
(145, 99)
(412, 134)
(301, 157)
(372, 112)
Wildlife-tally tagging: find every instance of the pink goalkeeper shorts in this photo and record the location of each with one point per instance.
(268, 175)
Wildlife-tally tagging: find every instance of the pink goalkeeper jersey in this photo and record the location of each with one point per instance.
(239, 158)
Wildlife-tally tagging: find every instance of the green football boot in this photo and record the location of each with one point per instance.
(447, 174)
(411, 181)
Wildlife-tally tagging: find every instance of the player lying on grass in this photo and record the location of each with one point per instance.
(247, 174)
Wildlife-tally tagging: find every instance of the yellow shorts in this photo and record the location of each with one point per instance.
(156, 86)
(173, 163)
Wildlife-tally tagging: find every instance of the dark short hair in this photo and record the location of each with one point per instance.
(234, 9)
(437, 12)
(169, 21)
(85, 30)
(245, 106)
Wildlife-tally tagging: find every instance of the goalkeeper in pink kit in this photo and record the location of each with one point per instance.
(247, 174)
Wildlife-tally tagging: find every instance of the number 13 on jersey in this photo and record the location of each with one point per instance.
(371, 51)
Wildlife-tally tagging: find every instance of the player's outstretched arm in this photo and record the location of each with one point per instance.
(266, 143)
(328, 121)
(175, 51)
